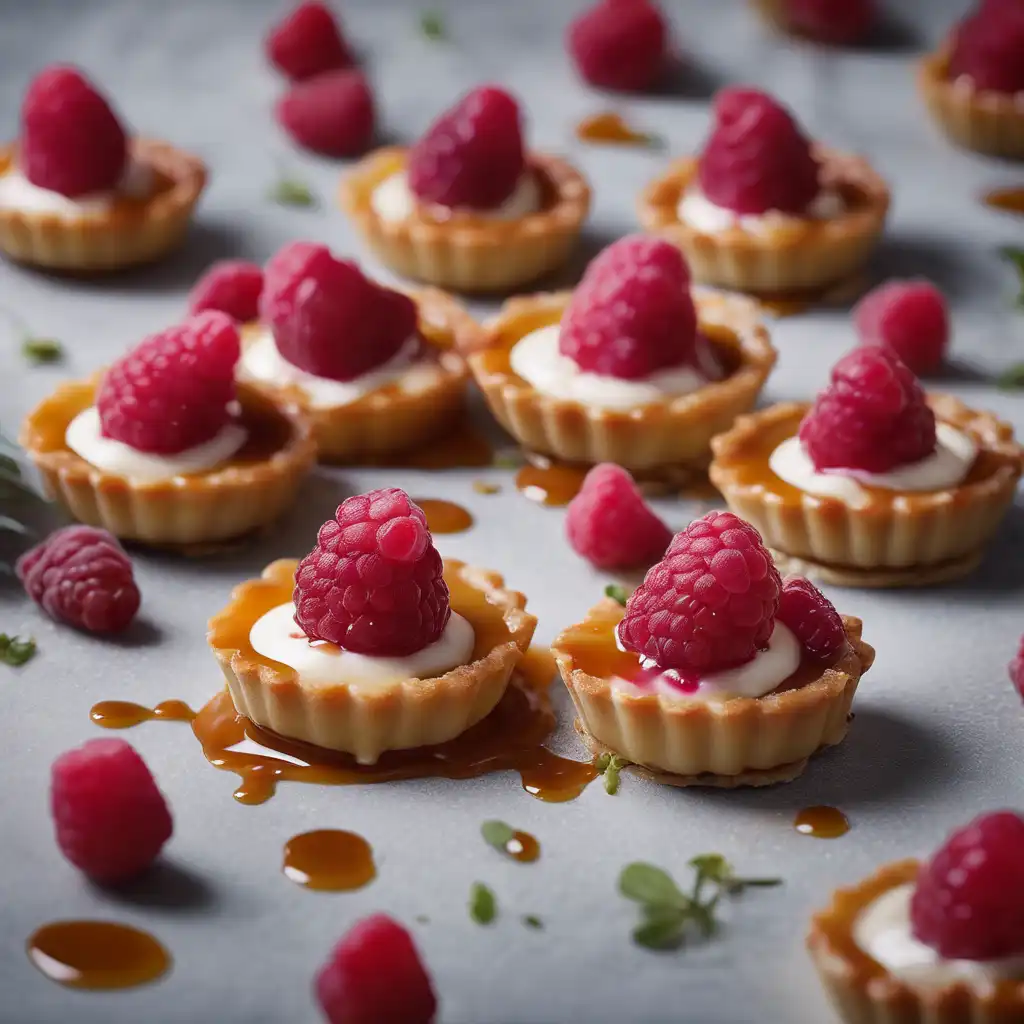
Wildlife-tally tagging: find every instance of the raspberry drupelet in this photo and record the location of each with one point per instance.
(619, 46)
(230, 286)
(307, 42)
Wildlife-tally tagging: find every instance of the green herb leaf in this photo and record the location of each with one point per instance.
(661, 931)
(532, 921)
(497, 834)
(15, 650)
(1011, 379)
(611, 773)
(648, 884)
(711, 867)
(432, 25)
(291, 192)
(42, 350)
(483, 907)
(616, 593)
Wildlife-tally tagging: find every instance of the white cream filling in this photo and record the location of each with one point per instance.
(883, 931)
(536, 358)
(262, 361)
(392, 200)
(276, 636)
(699, 212)
(18, 193)
(947, 466)
(84, 436)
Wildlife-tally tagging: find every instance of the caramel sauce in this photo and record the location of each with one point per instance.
(523, 847)
(1010, 200)
(609, 127)
(97, 954)
(550, 483)
(486, 487)
(329, 860)
(445, 516)
(822, 822)
(123, 714)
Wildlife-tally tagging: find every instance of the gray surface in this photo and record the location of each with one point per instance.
(937, 736)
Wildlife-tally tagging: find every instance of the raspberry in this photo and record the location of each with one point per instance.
(373, 583)
(621, 46)
(757, 158)
(840, 22)
(987, 48)
(375, 976)
(307, 42)
(632, 313)
(171, 392)
(812, 617)
(609, 523)
(472, 155)
(71, 140)
(1017, 669)
(710, 603)
(110, 818)
(231, 286)
(332, 113)
(969, 900)
(911, 318)
(872, 417)
(328, 318)
(81, 575)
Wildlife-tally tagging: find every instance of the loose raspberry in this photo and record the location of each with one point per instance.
(328, 318)
(307, 42)
(910, 317)
(621, 46)
(812, 617)
(633, 312)
(231, 286)
(472, 155)
(610, 524)
(839, 22)
(969, 900)
(373, 583)
(81, 575)
(987, 48)
(375, 976)
(110, 818)
(710, 603)
(1017, 669)
(71, 140)
(757, 159)
(332, 113)
(873, 416)
(171, 392)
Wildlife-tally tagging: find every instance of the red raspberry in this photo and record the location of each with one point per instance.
(171, 392)
(307, 42)
(110, 818)
(375, 976)
(610, 524)
(332, 113)
(373, 583)
(757, 158)
(969, 900)
(812, 617)
(621, 46)
(873, 416)
(840, 22)
(231, 286)
(328, 318)
(910, 317)
(633, 312)
(71, 140)
(1017, 669)
(472, 155)
(710, 603)
(81, 575)
(988, 48)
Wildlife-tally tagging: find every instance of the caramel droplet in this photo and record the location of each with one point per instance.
(445, 516)
(523, 847)
(609, 127)
(123, 714)
(822, 822)
(550, 483)
(1009, 200)
(330, 860)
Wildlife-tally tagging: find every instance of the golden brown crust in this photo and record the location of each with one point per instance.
(674, 432)
(462, 252)
(109, 240)
(800, 255)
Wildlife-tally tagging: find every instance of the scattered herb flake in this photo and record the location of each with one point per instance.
(483, 907)
(292, 192)
(617, 593)
(432, 25)
(1011, 379)
(611, 773)
(15, 650)
(422, 919)
(533, 921)
(42, 350)
(497, 834)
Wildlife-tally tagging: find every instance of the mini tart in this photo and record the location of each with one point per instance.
(978, 119)
(799, 255)
(745, 741)
(132, 231)
(246, 492)
(391, 419)
(912, 539)
(863, 991)
(676, 431)
(367, 720)
(461, 251)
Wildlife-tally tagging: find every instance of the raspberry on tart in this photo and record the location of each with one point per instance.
(762, 209)
(377, 370)
(164, 448)
(716, 672)
(468, 207)
(77, 193)
(633, 367)
(876, 484)
(941, 940)
(371, 642)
